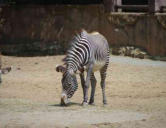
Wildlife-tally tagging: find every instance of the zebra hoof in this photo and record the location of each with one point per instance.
(84, 104)
(91, 103)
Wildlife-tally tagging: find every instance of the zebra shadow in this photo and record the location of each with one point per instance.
(67, 105)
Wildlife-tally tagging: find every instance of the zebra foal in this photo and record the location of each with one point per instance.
(88, 52)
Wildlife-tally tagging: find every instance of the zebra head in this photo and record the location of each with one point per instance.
(69, 84)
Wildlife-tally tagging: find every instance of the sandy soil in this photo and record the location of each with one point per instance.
(30, 96)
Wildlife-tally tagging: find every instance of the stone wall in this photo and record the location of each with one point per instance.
(147, 32)
(33, 30)
(46, 30)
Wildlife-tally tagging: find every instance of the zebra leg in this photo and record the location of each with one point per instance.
(85, 101)
(93, 87)
(82, 83)
(103, 76)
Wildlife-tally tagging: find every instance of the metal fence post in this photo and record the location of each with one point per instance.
(109, 5)
(151, 4)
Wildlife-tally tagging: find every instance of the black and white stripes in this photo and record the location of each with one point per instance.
(79, 52)
(69, 84)
(89, 51)
(77, 56)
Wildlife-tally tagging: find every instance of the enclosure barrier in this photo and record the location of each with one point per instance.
(46, 30)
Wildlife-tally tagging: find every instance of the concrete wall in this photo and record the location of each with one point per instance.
(40, 30)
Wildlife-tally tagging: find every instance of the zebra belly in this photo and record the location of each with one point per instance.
(98, 65)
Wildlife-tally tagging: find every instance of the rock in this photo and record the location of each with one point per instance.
(115, 51)
(130, 51)
(141, 55)
(122, 51)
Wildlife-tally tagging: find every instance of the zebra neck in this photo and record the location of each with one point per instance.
(73, 65)
(72, 69)
(79, 53)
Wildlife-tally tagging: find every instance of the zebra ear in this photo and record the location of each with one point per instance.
(60, 68)
(64, 59)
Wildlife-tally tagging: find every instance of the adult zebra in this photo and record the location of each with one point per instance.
(89, 52)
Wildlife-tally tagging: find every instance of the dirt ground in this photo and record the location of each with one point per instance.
(135, 89)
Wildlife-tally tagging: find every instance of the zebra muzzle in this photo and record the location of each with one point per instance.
(64, 100)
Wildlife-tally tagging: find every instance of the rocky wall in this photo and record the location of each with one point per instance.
(144, 31)
(41, 30)
(46, 30)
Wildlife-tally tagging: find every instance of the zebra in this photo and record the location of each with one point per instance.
(3, 70)
(88, 52)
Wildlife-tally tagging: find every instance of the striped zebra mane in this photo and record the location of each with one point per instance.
(76, 38)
